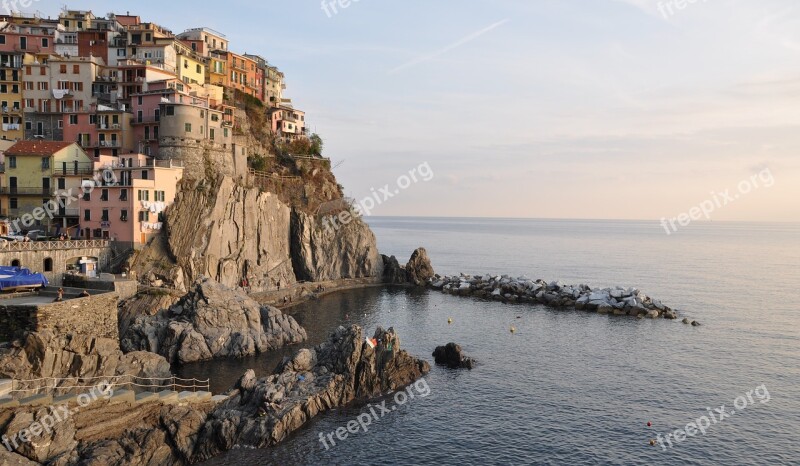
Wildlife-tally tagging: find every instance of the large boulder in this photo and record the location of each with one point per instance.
(212, 321)
(393, 272)
(419, 268)
(452, 356)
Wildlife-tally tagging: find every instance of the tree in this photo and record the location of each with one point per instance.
(316, 144)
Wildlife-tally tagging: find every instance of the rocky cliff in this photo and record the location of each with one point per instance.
(212, 321)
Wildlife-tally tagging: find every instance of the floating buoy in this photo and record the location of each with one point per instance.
(649, 424)
(513, 329)
(519, 317)
(652, 443)
(450, 320)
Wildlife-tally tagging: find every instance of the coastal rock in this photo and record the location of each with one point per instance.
(212, 321)
(393, 272)
(74, 358)
(419, 268)
(264, 412)
(452, 356)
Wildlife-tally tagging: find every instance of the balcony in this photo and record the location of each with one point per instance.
(73, 171)
(66, 213)
(148, 120)
(107, 127)
(26, 191)
(28, 48)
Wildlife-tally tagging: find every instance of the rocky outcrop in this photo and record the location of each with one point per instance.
(419, 268)
(257, 412)
(212, 321)
(393, 272)
(452, 356)
(617, 301)
(261, 413)
(418, 271)
(74, 358)
(319, 253)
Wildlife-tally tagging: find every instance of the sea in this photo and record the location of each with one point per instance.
(569, 387)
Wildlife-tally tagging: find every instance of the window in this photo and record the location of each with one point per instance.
(123, 215)
(45, 42)
(87, 195)
(123, 194)
(2, 39)
(160, 196)
(28, 85)
(104, 217)
(12, 161)
(76, 69)
(144, 195)
(104, 195)
(62, 183)
(13, 203)
(188, 127)
(211, 134)
(28, 125)
(170, 110)
(60, 124)
(43, 71)
(199, 70)
(87, 215)
(45, 163)
(73, 119)
(48, 265)
(62, 69)
(139, 100)
(144, 216)
(144, 177)
(225, 132)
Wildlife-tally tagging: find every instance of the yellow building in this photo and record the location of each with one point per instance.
(217, 72)
(34, 172)
(11, 98)
(190, 67)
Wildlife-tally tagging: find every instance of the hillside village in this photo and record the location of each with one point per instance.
(112, 107)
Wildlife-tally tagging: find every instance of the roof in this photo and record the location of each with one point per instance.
(40, 148)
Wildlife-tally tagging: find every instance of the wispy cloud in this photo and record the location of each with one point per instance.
(455, 45)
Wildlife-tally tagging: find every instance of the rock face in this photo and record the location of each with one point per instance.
(264, 412)
(419, 268)
(453, 357)
(616, 301)
(321, 254)
(212, 321)
(228, 232)
(75, 357)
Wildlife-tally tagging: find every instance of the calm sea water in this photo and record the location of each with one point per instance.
(571, 387)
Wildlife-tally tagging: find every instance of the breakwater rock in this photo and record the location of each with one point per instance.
(417, 271)
(615, 301)
(452, 356)
(212, 321)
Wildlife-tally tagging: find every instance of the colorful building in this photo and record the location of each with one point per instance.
(37, 172)
(287, 123)
(205, 40)
(129, 206)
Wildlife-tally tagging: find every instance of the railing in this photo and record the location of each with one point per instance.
(146, 120)
(54, 245)
(73, 171)
(30, 387)
(67, 213)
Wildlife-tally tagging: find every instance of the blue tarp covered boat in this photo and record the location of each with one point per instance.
(14, 278)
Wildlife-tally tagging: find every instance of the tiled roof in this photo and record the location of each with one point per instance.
(40, 148)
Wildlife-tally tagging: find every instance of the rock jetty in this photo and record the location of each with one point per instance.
(212, 321)
(618, 301)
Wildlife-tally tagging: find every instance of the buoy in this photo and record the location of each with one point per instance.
(513, 329)
(519, 317)
(652, 443)
(649, 424)
(450, 320)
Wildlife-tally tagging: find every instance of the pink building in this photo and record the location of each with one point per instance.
(130, 206)
(101, 131)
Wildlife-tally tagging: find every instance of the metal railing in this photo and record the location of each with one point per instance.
(55, 245)
(29, 191)
(30, 387)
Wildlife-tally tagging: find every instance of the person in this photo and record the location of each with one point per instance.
(279, 284)
(84, 294)
(60, 296)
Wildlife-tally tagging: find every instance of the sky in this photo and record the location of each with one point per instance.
(597, 109)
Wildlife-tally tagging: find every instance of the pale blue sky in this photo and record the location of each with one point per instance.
(538, 108)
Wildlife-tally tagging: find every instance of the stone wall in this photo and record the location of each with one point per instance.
(92, 316)
(202, 159)
(35, 260)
